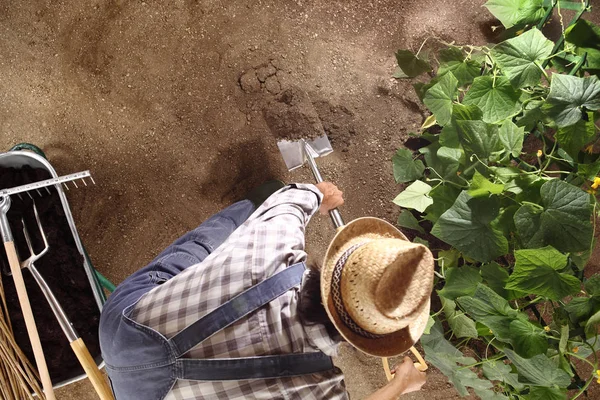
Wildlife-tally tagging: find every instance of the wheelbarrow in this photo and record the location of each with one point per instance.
(29, 155)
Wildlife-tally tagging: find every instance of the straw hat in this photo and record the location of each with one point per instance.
(376, 287)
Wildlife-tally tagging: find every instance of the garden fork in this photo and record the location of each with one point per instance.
(77, 344)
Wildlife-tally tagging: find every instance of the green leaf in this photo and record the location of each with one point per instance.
(460, 282)
(429, 122)
(564, 339)
(492, 310)
(520, 58)
(547, 393)
(496, 277)
(539, 370)
(568, 95)
(440, 97)
(480, 138)
(430, 323)
(591, 326)
(405, 167)
(422, 88)
(480, 186)
(449, 258)
(407, 220)
(528, 340)
(443, 197)
(410, 64)
(415, 196)
(496, 98)
(563, 222)
(536, 272)
(421, 241)
(592, 285)
(589, 171)
(444, 161)
(582, 308)
(498, 371)
(461, 325)
(585, 36)
(511, 137)
(445, 357)
(468, 226)
(573, 138)
(515, 12)
(490, 395)
(453, 60)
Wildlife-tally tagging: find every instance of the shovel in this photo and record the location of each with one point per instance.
(295, 153)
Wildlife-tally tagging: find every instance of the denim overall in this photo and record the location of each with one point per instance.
(143, 364)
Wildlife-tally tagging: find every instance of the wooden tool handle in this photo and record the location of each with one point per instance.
(91, 369)
(34, 337)
(421, 365)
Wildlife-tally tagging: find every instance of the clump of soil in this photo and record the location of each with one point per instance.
(261, 77)
(338, 122)
(292, 116)
(62, 269)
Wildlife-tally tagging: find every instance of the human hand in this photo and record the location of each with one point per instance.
(332, 197)
(408, 378)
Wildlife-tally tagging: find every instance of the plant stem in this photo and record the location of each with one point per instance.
(584, 388)
(482, 362)
(595, 367)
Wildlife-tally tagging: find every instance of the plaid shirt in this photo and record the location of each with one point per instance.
(270, 240)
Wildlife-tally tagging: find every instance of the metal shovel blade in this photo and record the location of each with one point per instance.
(293, 152)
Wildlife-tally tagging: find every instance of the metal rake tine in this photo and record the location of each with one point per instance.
(38, 192)
(29, 194)
(41, 228)
(92, 179)
(83, 180)
(47, 190)
(75, 183)
(66, 186)
(27, 238)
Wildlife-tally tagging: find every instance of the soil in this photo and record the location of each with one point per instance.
(292, 116)
(164, 103)
(62, 269)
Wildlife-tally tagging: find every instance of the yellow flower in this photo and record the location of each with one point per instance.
(539, 153)
(575, 349)
(589, 148)
(547, 328)
(491, 332)
(591, 191)
(598, 372)
(596, 183)
(519, 32)
(598, 380)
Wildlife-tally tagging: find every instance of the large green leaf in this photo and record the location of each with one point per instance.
(592, 285)
(453, 60)
(468, 226)
(521, 57)
(460, 112)
(536, 271)
(495, 96)
(569, 95)
(460, 282)
(539, 370)
(563, 222)
(591, 326)
(415, 196)
(527, 339)
(496, 277)
(589, 171)
(582, 308)
(410, 64)
(442, 161)
(479, 138)
(515, 12)
(407, 220)
(481, 186)
(574, 137)
(546, 393)
(511, 136)
(461, 325)
(447, 358)
(498, 371)
(492, 310)
(406, 168)
(585, 37)
(443, 197)
(440, 97)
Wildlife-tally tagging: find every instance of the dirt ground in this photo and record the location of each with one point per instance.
(163, 102)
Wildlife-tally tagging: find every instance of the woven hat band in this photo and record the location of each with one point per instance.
(338, 302)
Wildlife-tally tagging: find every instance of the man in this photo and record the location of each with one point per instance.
(229, 312)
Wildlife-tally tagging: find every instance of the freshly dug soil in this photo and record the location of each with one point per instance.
(292, 116)
(61, 267)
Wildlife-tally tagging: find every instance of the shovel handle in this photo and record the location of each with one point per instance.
(91, 369)
(32, 331)
(421, 365)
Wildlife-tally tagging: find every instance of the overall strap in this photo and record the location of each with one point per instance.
(265, 367)
(237, 308)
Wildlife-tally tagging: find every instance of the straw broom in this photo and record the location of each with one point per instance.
(18, 377)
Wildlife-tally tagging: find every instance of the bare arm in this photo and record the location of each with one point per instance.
(408, 379)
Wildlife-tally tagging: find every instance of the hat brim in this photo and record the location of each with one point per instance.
(358, 231)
